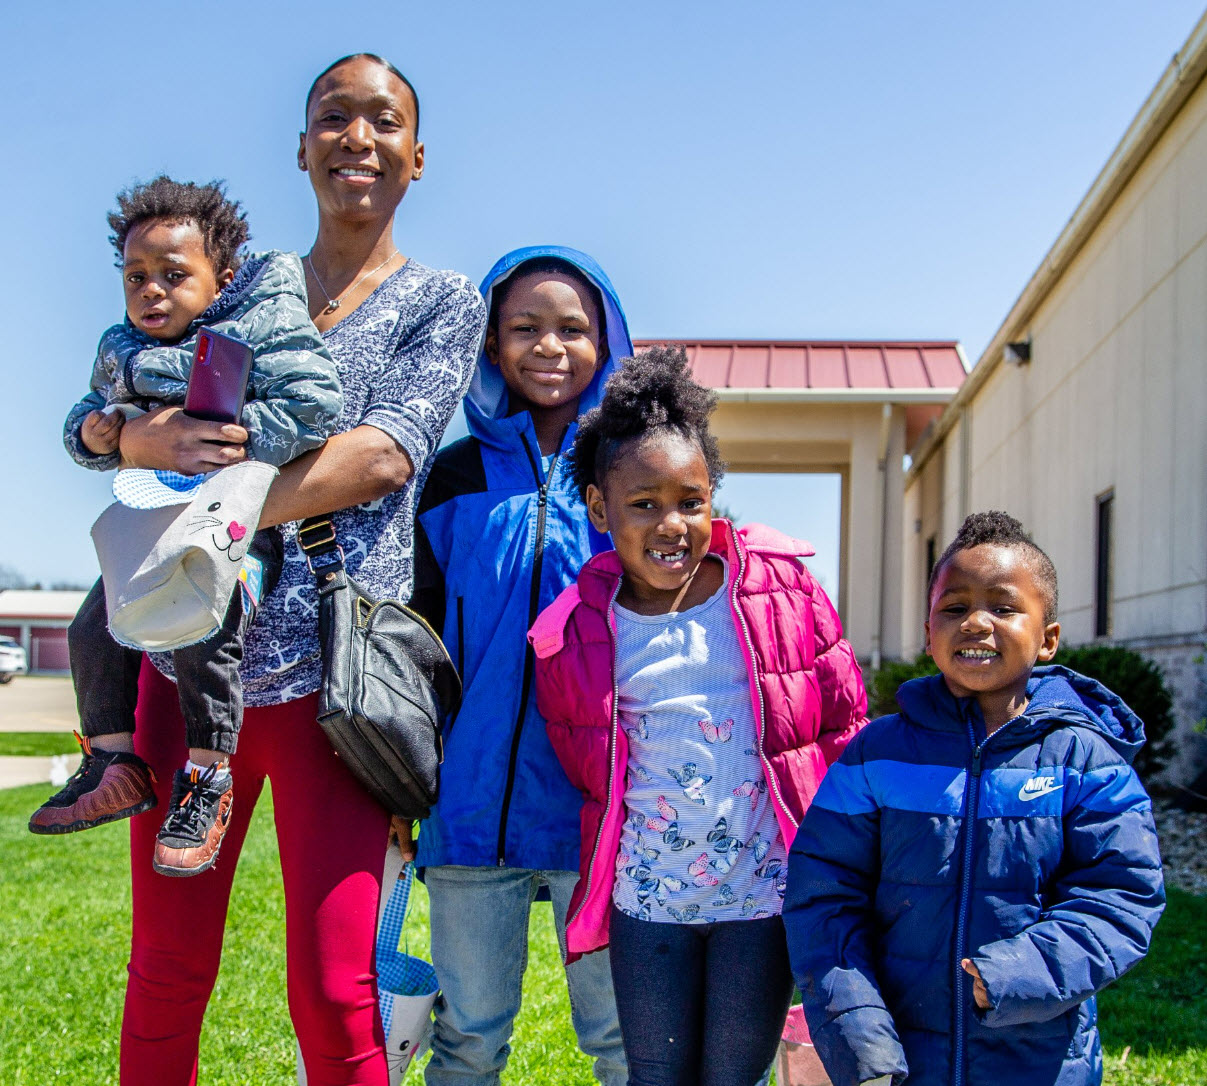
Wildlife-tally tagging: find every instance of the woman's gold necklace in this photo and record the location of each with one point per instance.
(333, 303)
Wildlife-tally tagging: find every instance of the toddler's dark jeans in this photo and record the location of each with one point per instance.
(207, 674)
(700, 1004)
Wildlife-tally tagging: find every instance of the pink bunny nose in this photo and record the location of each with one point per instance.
(236, 530)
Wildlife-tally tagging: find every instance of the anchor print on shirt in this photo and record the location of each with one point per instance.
(297, 594)
(296, 690)
(354, 548)
(282, 664)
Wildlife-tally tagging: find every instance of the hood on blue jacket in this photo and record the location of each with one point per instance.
(1054, 693)
(487, 396)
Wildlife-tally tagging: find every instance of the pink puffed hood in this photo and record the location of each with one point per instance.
(805, 686)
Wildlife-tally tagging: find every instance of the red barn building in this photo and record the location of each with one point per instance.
(39, 621)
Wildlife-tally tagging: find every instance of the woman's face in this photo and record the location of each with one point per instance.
(360, 145)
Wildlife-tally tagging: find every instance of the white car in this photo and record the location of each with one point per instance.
(12, 659)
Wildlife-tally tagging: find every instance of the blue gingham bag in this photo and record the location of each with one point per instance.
(406, 985)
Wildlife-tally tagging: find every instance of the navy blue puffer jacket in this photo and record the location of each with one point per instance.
(1053, 891)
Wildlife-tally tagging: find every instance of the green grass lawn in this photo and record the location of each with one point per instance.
(38, 744)
(66, 906)
(64, 942)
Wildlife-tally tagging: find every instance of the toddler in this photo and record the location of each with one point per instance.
(179, 248)
(981, 863)
(696, 686)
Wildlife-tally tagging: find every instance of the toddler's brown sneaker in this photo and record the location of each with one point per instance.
(108, 785)
(198, 815)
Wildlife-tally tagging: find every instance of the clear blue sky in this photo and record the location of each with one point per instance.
(792, 169)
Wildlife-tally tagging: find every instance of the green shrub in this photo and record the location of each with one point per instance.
(882, 685)
(1137, 681)
(1140, 683)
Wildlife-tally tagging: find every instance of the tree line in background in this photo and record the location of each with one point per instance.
(12, 578)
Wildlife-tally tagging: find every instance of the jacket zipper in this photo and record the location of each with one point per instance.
(772, 783)
(603, 821)
(460, 635)
(534, 599)
(460, 654)
(972, 787)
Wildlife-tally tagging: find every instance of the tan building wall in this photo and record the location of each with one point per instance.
(1114, 398)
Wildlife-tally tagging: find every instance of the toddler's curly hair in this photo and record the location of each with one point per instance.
(222, 222)
(1001, 530)
(653, 391)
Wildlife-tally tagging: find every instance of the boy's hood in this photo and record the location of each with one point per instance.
(486, 400)
(1057, 695)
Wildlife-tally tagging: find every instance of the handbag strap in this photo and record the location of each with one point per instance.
(324, 555)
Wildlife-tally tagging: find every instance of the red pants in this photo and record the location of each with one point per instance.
(332, 841)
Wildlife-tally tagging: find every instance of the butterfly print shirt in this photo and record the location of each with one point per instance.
(700, 841)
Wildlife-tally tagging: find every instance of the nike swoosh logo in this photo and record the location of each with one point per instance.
(1036, 787)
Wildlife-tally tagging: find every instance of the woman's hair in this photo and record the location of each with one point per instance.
(376, 60)
(650, 393)
(222, 222)
(546, 265)
(1000, 529)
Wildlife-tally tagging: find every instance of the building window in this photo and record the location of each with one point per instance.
(930, 558)
(1103, 582)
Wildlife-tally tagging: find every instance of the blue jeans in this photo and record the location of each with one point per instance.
(479, 918)
(700, 1004)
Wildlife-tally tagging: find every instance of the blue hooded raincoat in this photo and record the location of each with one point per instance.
(498, 536)
(1053, 890)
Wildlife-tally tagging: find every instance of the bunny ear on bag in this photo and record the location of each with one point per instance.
(170, 569)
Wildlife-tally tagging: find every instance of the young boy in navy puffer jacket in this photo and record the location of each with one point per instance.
(934, 949)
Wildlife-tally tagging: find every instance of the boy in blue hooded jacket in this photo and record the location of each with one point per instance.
(500, 532)
(976, 867)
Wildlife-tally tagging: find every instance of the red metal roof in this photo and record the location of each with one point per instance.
(822, 364)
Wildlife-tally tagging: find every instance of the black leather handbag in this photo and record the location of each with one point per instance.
(388, 683)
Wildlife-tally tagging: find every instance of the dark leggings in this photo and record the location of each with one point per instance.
(700, 1003)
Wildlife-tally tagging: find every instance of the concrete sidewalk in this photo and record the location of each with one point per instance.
(15, 771)
(35, 703)
(38, 703)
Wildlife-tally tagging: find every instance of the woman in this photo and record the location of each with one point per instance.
(404, 338)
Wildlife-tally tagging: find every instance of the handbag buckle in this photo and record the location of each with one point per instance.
(320, 546)
(307, 544)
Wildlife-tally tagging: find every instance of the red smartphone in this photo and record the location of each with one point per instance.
(218, 381)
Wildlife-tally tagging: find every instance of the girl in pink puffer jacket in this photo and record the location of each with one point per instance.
(696, 687)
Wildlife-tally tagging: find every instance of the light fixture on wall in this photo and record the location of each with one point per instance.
(1017, 353)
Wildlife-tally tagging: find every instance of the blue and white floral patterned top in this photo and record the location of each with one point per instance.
(405, 356)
